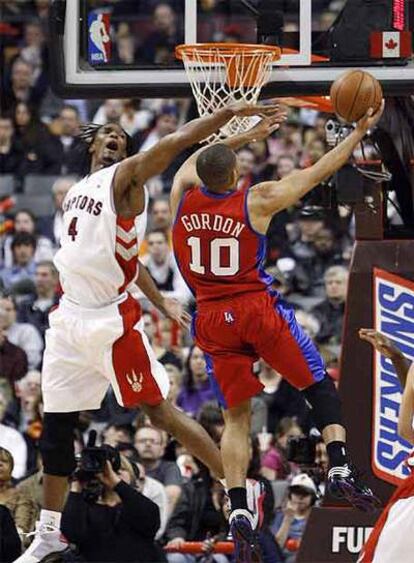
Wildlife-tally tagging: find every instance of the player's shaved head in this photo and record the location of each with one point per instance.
(216, 166)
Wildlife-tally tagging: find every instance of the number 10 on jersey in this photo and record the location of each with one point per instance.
(198, 262)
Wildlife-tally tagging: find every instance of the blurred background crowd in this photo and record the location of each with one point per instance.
(308, 254)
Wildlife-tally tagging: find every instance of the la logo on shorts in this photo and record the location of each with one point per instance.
(228, 317)
(135, 382)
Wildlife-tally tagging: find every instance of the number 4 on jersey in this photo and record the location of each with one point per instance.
(72, 231)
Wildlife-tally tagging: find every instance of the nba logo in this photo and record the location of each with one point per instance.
(99, 38)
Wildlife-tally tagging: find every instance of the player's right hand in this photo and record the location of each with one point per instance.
(242, 109)
(370, 119)
(173, 310)
(380, 342)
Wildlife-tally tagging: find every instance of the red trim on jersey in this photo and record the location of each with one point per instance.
(130, 360)
(130, 266)
(404, 491)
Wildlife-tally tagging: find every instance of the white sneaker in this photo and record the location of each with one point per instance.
(255, 497)
(48, 540)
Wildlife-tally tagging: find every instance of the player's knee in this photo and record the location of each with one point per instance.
(56, 443)
(161, 415)
(239, 416)
(325, 402)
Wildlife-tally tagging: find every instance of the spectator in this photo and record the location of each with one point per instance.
(161, 264)
(198, 516)
(275, 464)
(25, 222)
(327, 255)
(21, 86)
(13, 360)
(67, 144)
(35, 310)
(22, 508)
(149, 442)
(52, 226)
(10, 151)
(245, 163)
(160, 220)
(196, 389)
(13, 441)
(155, 491)
(162, 353)
(160, 44)
(22, 334)
(23, 248)
(176, 380)
(110, 111)
(282, 399)
(39, 156)
(330, 313)
(133, 119)
(116, 434)
(290, 522)
(121, 520)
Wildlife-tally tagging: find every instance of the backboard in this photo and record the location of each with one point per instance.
(125, 48)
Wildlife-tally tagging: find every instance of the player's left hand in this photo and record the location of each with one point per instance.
(173, 310)
(380, 342)
(267, 125)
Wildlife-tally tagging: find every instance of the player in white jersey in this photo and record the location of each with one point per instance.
(95, 337)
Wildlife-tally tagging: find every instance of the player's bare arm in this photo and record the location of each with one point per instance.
(134, 171)
(387, 348)
(187, 177)
(405, 419)
(170, 308)
(268, 198)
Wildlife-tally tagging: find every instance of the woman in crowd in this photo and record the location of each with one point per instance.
(22, 507)
(275, 464)
(196, 388)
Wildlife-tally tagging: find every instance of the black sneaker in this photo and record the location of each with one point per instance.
(246, 548)
(344, 483)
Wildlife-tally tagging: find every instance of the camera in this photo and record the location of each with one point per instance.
(91, 462)
(93, 459)
(302, 451)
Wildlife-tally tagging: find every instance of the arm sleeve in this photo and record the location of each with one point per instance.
(142, 514)
(177, 526)
(33, 346)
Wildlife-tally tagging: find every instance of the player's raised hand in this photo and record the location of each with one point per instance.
(267, 125)
(173, 310)
(370, 119)
(380, 342)
(242, 109)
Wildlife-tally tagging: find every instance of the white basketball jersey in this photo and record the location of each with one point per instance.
(97, 260)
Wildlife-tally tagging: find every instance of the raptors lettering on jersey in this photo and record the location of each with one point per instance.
(219, 253)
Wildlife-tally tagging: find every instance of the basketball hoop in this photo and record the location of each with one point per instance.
(222, 73)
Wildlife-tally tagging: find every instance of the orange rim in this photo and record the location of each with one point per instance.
(225, 49)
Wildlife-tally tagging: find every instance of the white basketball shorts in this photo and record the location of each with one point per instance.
(89, 349)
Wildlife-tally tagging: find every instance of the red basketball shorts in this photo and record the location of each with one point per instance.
(235, 333)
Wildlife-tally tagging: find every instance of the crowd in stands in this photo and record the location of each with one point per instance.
(160, 496)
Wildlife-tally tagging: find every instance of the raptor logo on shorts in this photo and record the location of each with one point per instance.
(135, 382)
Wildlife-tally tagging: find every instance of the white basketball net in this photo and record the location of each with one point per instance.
(219, 76)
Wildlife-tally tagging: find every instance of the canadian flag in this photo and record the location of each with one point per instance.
(390, 44)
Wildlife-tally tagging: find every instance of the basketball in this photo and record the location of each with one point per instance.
(353, 93)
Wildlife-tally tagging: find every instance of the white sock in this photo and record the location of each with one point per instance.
(50, 518)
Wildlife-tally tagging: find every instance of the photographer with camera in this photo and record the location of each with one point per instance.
(105, 516)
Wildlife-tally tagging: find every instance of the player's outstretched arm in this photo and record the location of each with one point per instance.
(405, 418)
(170, 308)
(268, 198)
(387, 348)
(187, 177)
(134, 171)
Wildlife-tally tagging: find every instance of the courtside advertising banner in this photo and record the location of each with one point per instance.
(393, 316)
